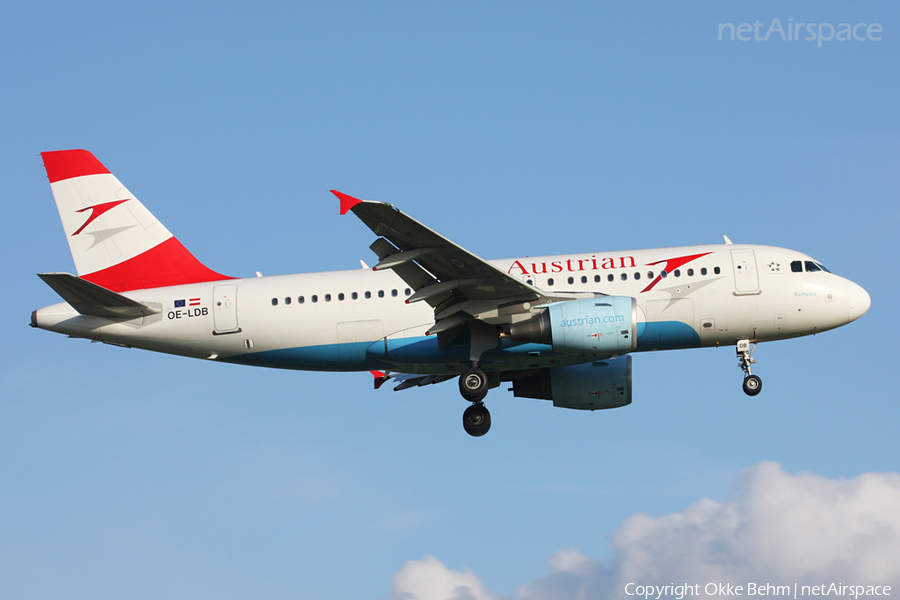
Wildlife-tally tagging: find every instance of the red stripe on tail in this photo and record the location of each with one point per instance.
(167, 264)
(65, 164)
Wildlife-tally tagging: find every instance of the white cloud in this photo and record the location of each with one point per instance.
(429, 579)
(782, 529)
(569, 561)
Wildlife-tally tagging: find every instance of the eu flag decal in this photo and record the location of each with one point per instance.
(179, 304)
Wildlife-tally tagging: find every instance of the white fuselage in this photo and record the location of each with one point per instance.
(360, 320)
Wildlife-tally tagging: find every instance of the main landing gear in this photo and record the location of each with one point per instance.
(752, 383)
(473, 385)
(477, 420)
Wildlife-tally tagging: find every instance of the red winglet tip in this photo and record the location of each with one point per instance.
(347, 202)
(380, 378)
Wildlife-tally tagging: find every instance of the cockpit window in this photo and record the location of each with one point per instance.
(811, 266)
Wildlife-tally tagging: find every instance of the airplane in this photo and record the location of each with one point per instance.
(560, 328)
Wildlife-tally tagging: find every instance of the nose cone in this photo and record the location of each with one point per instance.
(859, 301)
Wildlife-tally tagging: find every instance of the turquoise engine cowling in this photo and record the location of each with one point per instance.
(601, 326)
(592, 386)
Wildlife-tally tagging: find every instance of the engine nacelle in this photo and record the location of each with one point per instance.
(592, 386)
(602, 326)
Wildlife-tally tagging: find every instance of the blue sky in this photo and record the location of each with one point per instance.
(512, 128)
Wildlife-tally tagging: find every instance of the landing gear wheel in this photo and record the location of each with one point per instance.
(477, 420)
(473, 384)
(752, 385)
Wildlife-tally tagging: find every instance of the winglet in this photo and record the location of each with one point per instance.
(380, 378)
(347, 202)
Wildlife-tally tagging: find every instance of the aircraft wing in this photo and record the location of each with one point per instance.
(451, 279)
(406, 380)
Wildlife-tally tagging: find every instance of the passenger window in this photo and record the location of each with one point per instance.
(368, 295)
(341, 296)
(583, 279)
(624, 276)
(703, 271)
(301, 300)
(690, 272)
(596, 279)
(610, 277)
(314, 298)
(394, 293)
(327, 297)
(274, 301)
(663, 274)
(354, 296)
(529, 282)
(649, 274)
(677, 273)
(550, 282)
(381, 293)
(812, 267)
(407, 291)
(637, 276)
(571, 280)
(717, 270)
(287, 300)
(797, 266)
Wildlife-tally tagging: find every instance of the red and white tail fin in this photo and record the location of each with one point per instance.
(115, 241)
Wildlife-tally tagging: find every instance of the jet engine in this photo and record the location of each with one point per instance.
(591, 386)
(602, 326)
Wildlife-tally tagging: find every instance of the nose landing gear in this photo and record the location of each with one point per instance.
(752, 383)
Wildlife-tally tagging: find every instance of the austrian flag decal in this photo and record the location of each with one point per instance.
(183, 303)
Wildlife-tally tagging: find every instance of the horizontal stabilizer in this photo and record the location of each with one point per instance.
(91, 299)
